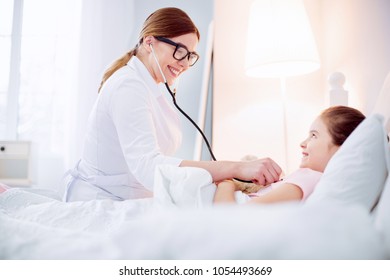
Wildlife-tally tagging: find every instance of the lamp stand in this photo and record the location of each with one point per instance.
(285, 132)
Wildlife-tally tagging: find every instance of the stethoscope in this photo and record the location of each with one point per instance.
(173, 93)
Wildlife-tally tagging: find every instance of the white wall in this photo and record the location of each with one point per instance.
(352, 37)
(356, 38)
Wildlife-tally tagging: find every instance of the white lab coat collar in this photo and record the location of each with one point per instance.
(140, 68)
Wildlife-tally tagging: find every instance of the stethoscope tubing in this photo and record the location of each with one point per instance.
(197, 127)
(185, 114)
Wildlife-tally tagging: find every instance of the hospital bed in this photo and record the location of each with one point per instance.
(346, 217)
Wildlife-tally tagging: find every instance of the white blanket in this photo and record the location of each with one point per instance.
(182, 225)
(183, 187)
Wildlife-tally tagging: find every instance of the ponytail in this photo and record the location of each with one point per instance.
(119, 63)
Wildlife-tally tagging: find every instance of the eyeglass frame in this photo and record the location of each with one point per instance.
(177, 46)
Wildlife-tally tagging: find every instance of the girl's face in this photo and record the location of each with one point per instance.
(171, 67)
(317, 148)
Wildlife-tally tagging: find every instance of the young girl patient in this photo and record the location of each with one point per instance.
(327, 133)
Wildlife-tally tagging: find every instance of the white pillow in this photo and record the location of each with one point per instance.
(357, 172)
(382, 220)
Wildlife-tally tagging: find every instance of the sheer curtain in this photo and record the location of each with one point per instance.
(100, 23)
(106, 31)
(42, 68)
(62, 50)
(6, 26)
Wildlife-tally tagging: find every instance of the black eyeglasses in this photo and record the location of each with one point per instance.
(181, 52)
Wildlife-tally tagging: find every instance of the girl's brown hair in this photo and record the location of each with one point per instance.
(166, 22)
(341, 121)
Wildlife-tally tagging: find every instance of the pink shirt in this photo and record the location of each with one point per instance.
(306, 179)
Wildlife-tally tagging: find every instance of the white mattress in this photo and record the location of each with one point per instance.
(38, 226)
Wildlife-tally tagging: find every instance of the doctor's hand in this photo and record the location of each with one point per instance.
(261, 171)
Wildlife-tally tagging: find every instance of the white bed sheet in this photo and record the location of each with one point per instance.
(176, 225)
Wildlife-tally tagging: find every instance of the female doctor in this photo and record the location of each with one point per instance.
(133, 126)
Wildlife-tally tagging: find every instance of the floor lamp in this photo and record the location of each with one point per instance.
(280, 44)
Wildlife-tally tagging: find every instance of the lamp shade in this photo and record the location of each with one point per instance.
(280, 42)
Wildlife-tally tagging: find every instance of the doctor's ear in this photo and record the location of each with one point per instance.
(148, 40)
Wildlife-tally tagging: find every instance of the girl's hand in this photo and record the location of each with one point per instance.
(228, 184)
(225, 192)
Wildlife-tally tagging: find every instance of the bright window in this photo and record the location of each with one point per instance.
(40, 91)
(6, 17)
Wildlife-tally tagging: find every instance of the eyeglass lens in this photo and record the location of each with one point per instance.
(180, 53)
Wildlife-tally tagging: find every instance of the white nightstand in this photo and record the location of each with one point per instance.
(15, 163)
